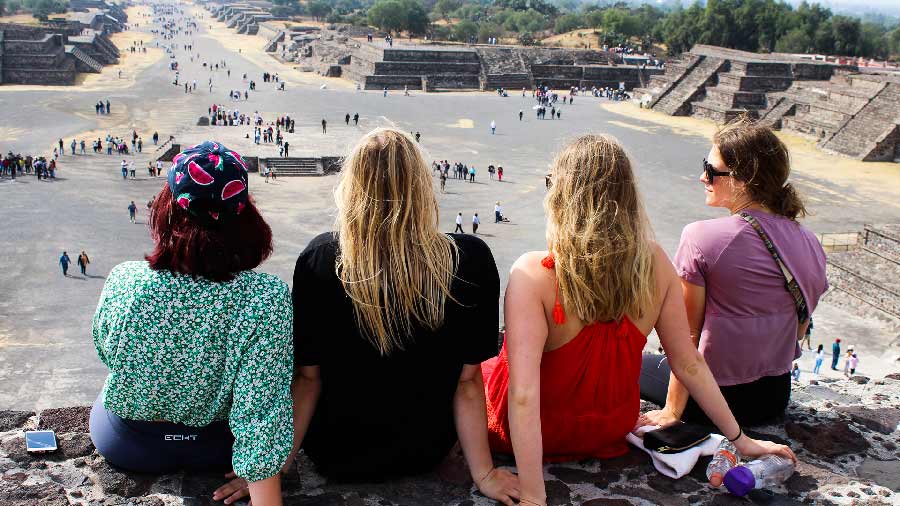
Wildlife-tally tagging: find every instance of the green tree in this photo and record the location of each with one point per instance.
(318, 9)
(465, 30)
(621, 22)
(794, 41)
(846, 32)
(389, 15)
(445, 7)
(416, 22)
(488, 30)
(567, 23)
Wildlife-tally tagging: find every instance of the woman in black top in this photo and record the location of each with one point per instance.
(392, 319)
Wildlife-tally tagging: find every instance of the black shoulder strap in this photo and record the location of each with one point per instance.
(789, 281)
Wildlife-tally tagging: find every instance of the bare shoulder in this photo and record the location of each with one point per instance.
(528, 272)
(529, 264)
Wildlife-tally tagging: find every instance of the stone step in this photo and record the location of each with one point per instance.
(691, 87)
(730, 97)
(717, 112)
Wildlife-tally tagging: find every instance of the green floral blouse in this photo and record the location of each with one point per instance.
(193, 351)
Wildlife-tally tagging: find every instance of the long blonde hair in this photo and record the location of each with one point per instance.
(395, 265)
(598, 232)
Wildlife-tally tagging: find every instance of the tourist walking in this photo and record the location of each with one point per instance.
(83, 262)
(232, 409)
(124, 169)
(324, 126)
(835, 353)
(795, 372)
(347, 119)
(820, 356)
(64, 263)
(853, 361)
(807, 336)
(287, 146)
(498, 212)
(500, 173)
(132, 211)
(459, 222)
(742, 312)
(493, 127)
(847, 358)
(355, 119)
(520, 115)
(443, 176)
(475, 222)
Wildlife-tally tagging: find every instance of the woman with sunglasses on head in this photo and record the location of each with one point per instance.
(565, 386)
(198, 345)
(745, 315)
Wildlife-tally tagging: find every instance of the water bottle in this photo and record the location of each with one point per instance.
(725, 458)
(761, 473)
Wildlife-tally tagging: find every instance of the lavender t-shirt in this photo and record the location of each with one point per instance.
(750, 324)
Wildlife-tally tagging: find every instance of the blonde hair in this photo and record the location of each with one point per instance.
(394, 264)
(598, 232)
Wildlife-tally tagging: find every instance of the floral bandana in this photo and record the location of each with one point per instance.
(209, 180)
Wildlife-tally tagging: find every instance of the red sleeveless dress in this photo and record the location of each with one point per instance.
(590, 396)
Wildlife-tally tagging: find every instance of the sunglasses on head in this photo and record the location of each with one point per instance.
(711, 171)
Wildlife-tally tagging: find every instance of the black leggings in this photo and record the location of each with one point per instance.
(753, 403)
(160, 447)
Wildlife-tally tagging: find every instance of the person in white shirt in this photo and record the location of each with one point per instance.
(475, 222)
(459, 220)
(498, 212)
(493, 127)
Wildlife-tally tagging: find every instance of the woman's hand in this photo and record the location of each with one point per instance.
(750, 447)
(500, 485)
(234, 490)
(658, 417)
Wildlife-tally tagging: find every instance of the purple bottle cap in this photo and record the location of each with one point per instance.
(740, 481)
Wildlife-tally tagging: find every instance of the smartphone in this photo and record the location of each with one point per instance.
(40, 441)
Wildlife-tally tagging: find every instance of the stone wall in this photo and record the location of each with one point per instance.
(844, 432)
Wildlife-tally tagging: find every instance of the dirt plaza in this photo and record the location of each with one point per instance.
(46, 354)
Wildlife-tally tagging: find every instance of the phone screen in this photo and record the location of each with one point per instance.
(40, 440)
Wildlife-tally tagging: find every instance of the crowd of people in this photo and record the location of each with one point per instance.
(15, 165)
(565, 384)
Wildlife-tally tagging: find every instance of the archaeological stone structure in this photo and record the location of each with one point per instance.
(341, 51)
(848, 112)
(54, 53)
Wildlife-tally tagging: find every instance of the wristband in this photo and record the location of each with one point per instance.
(740, 433)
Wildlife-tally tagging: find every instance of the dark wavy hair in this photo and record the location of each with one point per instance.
(213, 251)
(758, 158)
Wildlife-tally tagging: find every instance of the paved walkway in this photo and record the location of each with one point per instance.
(46, 354)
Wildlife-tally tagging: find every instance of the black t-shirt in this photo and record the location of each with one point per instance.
(384, 416)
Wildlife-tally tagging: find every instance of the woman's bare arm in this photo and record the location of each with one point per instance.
(526, 335)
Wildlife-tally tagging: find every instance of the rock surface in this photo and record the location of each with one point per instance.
(845, 433)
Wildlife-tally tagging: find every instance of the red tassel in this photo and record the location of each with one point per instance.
(548, 262)
(559, 315)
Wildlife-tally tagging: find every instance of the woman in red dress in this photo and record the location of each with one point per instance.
(565, 386)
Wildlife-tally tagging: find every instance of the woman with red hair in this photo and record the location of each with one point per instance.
(198, 345)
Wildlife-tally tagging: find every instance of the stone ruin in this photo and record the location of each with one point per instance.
(845, 433)
(847, 111)
(335, 51)
(456, 67)
(54, 53)
(868, 269)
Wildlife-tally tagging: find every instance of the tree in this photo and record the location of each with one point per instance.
(846, 32)
(465, 30)
(621, 22)
(444, 7)
(795, 41)
(389, 15)
(567, 23)
(489, 30)
(318, 9)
